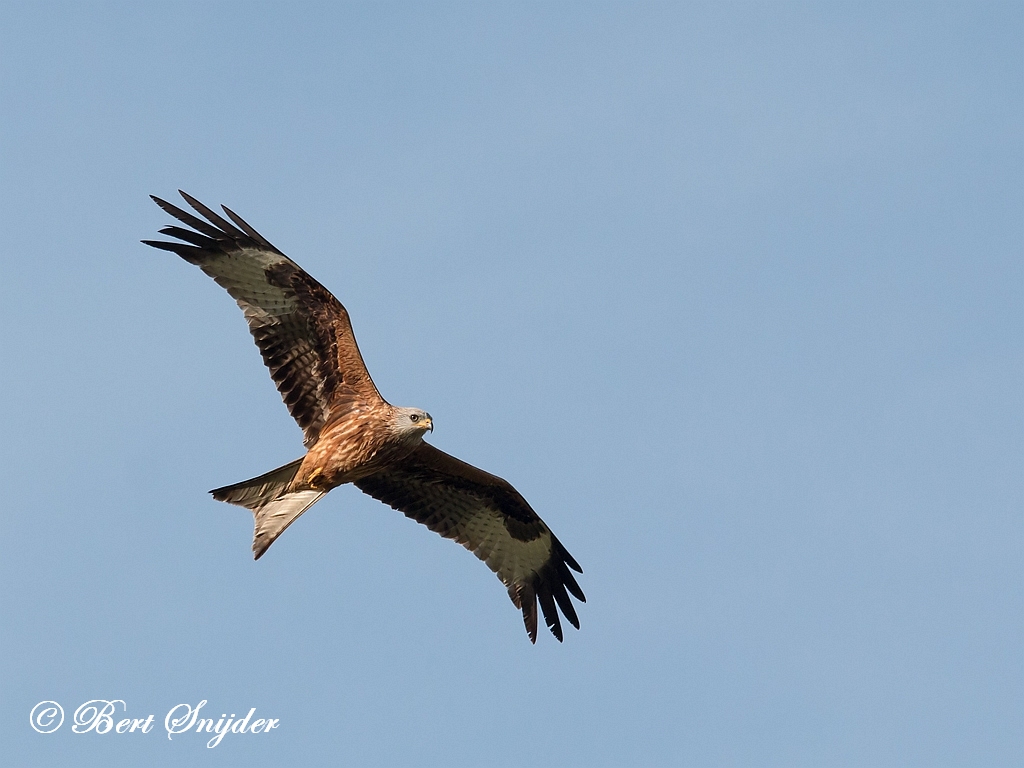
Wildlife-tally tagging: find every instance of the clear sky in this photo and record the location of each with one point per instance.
(732, 293)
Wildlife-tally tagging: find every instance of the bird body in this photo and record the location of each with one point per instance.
(353, 435)
(355, 445)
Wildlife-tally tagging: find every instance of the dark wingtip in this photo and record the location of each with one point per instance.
(163, 245)
(247, 228)
(162, 203)
(547, 605)
(563, 601)
(531, 625)
(571, 561)
(526, 601)
(570, 583)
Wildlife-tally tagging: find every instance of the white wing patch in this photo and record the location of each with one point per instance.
(484, 534)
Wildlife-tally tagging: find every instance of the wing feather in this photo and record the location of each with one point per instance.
(491, 519)
(244, 225)
(302, 330)
(229, 229)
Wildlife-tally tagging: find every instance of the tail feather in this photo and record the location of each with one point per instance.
(252, 493)
(273, 506)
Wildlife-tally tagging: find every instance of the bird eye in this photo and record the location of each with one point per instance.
(414, 418)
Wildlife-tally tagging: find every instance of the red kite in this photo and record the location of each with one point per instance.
(352, 434)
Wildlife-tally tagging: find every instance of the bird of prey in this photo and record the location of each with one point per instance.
(352, 434)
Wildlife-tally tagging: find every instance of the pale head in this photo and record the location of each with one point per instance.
(411, 422)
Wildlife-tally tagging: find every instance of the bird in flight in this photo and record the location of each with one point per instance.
(352, 434)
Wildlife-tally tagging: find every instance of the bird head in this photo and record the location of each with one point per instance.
(412, 422)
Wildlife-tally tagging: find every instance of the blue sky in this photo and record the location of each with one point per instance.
(732, 293)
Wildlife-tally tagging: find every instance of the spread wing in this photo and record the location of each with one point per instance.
(487, 516)
(302, 331)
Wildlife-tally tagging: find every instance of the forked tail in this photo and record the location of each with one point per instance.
(273, 506)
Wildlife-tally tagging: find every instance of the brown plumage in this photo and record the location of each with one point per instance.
(353, 435)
